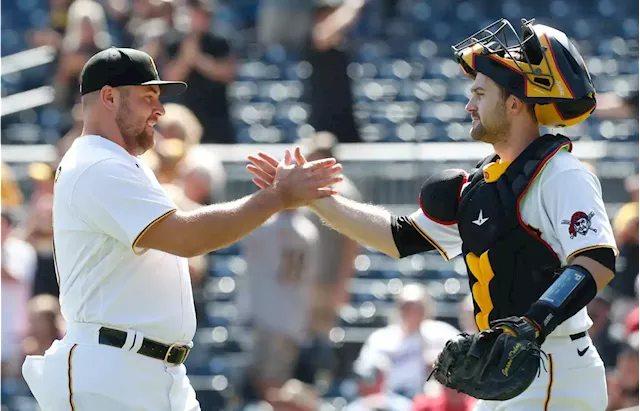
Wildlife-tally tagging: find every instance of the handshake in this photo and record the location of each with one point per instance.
(296, 183)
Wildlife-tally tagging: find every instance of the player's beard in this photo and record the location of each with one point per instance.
(494, 128)
(137, 136)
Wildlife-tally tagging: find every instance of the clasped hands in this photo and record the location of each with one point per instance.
(296, 183)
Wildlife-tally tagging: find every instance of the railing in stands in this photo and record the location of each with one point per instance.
(21, 61)
(27, 59)
(360, 152)
(27, 100)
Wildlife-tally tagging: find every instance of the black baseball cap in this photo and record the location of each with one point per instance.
(117, 67)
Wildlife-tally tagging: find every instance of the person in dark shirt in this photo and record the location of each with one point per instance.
(205, 61)
(329, 87)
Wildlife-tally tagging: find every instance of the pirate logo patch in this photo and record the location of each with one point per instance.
(580, 223)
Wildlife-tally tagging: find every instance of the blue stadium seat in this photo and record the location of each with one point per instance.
(12, 41)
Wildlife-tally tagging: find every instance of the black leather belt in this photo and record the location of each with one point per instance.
(578, 336)
(173, 354)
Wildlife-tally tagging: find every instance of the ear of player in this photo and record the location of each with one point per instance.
(541, 67)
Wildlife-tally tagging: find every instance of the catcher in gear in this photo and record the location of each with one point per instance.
(530, 277)
(501, 362)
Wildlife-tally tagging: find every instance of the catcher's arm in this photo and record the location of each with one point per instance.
(573, 289)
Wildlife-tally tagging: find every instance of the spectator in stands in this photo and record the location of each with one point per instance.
(10, 190)
(398, 357)
(434, 397)
(329, 86)
(631, 323)
(275, 297)
(149, 21)
(626, 374)
(600, 332)
(86, 34)
(440, 398)
(38, 231)
(618, 105)
(18, 265)
(45, 324)
(41, 178)
(294, 395)
(168, 154)
(285, 22)
(378, 402)
(200, 185)
(628, 211)
(625, 229)
(202, 175)
(180, 122)
(53, 33)
(205, 61)
(76, 121)
(337, 251)
(466, 315)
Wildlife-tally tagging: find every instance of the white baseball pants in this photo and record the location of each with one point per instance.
(572, 382)
(78, 374)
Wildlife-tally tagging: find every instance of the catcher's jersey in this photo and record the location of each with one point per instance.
(564, 204)
(104, 199)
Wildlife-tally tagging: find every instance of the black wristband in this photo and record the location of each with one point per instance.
(574, 288)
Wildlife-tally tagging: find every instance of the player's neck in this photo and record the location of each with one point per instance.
(516, 142)
(108, 131)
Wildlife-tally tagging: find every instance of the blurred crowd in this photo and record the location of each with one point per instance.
(184, 41)
(298, 271)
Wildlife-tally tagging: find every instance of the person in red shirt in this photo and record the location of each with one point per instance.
(443, 399)
(631, 322)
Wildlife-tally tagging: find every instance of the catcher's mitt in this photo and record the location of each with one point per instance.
(495, 364)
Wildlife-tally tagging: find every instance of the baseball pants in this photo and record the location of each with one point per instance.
(78, 374)
(574, 381)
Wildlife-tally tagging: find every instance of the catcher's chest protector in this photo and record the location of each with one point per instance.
(509, 264)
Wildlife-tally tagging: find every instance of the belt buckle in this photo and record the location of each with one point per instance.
(186, 351)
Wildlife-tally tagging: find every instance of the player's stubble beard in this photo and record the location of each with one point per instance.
(135, 133)
(493, 129)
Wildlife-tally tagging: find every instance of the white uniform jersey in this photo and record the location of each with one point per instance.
(404, 359)
(104, 200)
(564, 202)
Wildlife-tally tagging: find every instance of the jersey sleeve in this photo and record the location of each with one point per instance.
(120, 200)
(444, 238)
(574, 205)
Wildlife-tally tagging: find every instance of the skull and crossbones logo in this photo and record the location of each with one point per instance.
(580, 223)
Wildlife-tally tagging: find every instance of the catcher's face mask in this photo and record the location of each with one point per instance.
(540, 67)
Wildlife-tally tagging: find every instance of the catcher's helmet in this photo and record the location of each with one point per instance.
(541, 68)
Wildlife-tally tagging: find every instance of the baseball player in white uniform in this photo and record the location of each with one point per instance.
(121, 248)
(529, 220)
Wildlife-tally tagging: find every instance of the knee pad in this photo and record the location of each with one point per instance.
(440, 195)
